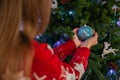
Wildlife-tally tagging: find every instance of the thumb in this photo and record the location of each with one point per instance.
(75, 30)
(96, 35)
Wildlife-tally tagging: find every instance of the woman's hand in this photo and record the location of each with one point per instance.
(91, 41)
(75, 38)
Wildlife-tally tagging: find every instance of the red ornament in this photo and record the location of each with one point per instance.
(113, 65)
(65, 1)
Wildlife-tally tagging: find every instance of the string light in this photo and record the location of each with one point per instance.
(70, 12)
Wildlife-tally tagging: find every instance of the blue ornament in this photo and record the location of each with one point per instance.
(85, 32)
(118, 23)
(112, 75)
(58, 43)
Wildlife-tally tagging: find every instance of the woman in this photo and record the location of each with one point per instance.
(22, 58)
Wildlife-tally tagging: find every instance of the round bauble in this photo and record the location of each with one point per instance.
(85, 32)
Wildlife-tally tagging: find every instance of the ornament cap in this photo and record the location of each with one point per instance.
(85, 25)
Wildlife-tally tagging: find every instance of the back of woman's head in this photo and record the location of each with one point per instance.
(15, 40)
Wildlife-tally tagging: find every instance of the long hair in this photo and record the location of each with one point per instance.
(16, 51)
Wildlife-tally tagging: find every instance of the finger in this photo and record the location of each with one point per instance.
(75, 29)
(96, 35)
(93, 31)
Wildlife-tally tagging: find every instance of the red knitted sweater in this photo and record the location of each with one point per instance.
(48, 63)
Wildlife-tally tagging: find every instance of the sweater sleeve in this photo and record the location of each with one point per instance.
(65, 49)
(47, 66)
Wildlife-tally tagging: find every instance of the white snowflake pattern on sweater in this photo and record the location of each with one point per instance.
(39, 78)
(65, 74)
(79, 68)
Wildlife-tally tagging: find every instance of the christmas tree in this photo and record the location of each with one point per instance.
(101, 15)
